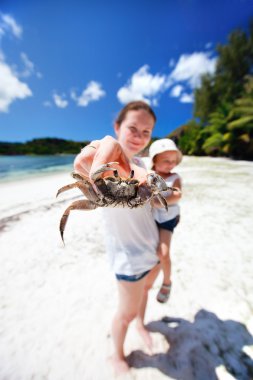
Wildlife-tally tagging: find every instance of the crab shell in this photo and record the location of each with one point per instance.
(117, 187)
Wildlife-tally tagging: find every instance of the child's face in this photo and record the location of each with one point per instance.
(165, 162)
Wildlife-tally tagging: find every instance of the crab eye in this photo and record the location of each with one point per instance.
(133, 181)
(112, 179)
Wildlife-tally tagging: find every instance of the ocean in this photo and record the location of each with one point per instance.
(21, 167)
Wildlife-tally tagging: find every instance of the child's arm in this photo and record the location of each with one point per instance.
(176, 195)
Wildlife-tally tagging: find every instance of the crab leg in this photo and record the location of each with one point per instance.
(131, 175)
(85, 188)
(77, 205)
(79, 176)
(104, 168)
(162, 201)
(176, 189)
(68, 187)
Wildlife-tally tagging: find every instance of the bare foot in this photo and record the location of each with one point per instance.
(146, 338)
(120, 366)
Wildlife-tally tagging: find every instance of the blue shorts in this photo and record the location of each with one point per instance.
(169, 225)
(132, 278)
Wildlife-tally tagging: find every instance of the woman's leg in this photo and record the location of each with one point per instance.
(130, 297)
(149, 281)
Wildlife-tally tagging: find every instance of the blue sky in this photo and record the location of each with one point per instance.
(67, 67)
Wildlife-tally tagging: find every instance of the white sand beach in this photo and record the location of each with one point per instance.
(56, 302)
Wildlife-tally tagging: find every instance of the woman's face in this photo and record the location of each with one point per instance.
(134, 133)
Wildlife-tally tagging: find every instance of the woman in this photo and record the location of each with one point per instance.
(131, 234)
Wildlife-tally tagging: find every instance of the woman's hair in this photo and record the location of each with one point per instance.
(134, 106)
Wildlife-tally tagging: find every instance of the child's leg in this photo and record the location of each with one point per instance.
(164, 256)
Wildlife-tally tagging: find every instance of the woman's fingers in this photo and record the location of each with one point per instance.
(100, 152)
(140, 174)
(109, 150)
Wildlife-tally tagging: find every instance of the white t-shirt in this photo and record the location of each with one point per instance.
(161, 215)
(131, 238)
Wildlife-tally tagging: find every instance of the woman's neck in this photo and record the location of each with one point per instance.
(129, 155)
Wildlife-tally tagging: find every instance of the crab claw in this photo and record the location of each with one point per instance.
(156, 182)
(104, 168)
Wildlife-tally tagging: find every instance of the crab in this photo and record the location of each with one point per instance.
(113, 191)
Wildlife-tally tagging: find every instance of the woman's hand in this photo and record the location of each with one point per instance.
(100, 152)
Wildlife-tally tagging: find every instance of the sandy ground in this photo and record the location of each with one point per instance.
(56, 302)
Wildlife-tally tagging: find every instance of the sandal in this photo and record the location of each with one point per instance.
(164, 293)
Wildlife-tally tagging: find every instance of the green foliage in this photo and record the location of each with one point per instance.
(188, 138)
(241, 116)
(224, 104)
(205, 98)
(241, 122)
(234, 63)
(213, 143)
(44, 146)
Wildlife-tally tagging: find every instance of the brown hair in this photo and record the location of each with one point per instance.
(134, 106)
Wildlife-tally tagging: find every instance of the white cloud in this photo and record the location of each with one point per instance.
(29, 66)
(142, 86)
(11, 88)
(186, 98)
(91, 93)
(190, 68)
(176, 91)
(60, 101)
(8, 23)
(8, 26)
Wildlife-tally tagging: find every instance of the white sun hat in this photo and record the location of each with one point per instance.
(164, 145)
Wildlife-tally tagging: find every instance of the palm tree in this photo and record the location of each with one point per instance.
(240, 122)
(215, 134)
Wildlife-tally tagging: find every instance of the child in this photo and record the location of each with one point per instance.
(165, 156)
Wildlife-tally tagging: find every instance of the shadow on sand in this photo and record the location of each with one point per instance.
(198, 347)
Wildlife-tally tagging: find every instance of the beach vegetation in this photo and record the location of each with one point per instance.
(222, 123)
(42, 146)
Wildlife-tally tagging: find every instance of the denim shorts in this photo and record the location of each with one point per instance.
(169, 225)
(132, 278)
